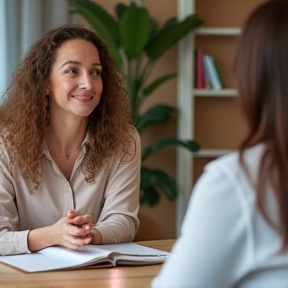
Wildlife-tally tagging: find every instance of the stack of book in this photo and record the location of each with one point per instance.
(207, 74)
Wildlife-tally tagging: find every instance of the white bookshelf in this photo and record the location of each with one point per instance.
(185, 102)
(218, 31)
(214, 93)
(212, 153)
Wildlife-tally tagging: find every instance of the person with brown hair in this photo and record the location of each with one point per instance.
(69, 156)
(235, 232)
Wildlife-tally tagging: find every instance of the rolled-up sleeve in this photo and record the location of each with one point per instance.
(118, 221)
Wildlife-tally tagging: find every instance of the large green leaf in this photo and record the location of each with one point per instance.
(166, 184)
(147, 178)
(106, 19)
(170, 35)
(149, 195)
(170, 22)
(154, 28)
(120, 8)
(156, 83)
(166, 142)
(134, 29)
(99, 27)
(151, 178)
(155, 115)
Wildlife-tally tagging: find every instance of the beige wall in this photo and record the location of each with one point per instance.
(218, 121)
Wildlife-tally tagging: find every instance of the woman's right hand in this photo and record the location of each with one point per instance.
(62, 233)
(69, 235)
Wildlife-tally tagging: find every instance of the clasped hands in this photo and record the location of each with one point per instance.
(83, 225)
(76, 231)
(72, 231)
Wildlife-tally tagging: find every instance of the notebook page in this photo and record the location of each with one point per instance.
(53, 258)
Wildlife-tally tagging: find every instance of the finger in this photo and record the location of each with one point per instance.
(75, 242)
(81, 220)
(74, 237)
(71, 214)
(88, 226)
(85, 239)
(79, 231)
(74, 246)
(80, 241)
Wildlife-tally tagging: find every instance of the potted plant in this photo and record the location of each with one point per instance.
(136, 43)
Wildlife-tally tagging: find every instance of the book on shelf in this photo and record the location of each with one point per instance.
(208, 82)
(212, 72)
(217, 72)
(200, 77)
(90, 256)
(207, 73)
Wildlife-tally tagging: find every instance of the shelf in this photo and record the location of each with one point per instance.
(212, 153)
(218, 31)
(187, 105)
(214, 93)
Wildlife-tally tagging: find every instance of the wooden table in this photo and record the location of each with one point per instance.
(117, 277)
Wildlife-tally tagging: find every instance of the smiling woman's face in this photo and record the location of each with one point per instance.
(75, 80)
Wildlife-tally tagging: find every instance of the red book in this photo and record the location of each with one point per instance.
(200, 78)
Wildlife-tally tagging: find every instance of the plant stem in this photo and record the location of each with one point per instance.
(131, 88)
(139, 61)
(146, 71)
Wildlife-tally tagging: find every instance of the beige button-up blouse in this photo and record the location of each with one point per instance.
(112, 199)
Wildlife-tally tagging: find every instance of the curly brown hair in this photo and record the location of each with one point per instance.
(25, 117)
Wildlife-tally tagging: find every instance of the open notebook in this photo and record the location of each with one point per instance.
(90, 256)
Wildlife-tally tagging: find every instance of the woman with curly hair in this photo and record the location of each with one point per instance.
(70, 159)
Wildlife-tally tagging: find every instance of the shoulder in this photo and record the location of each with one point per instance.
(3, 150)
(229, 165)
(132, 148)
(224, 179)
(134, 133)
(223, 194)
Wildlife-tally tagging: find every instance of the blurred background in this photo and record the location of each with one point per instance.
(209, 116)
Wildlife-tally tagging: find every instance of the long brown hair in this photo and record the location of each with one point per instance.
(25, 117)
(261, 69)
